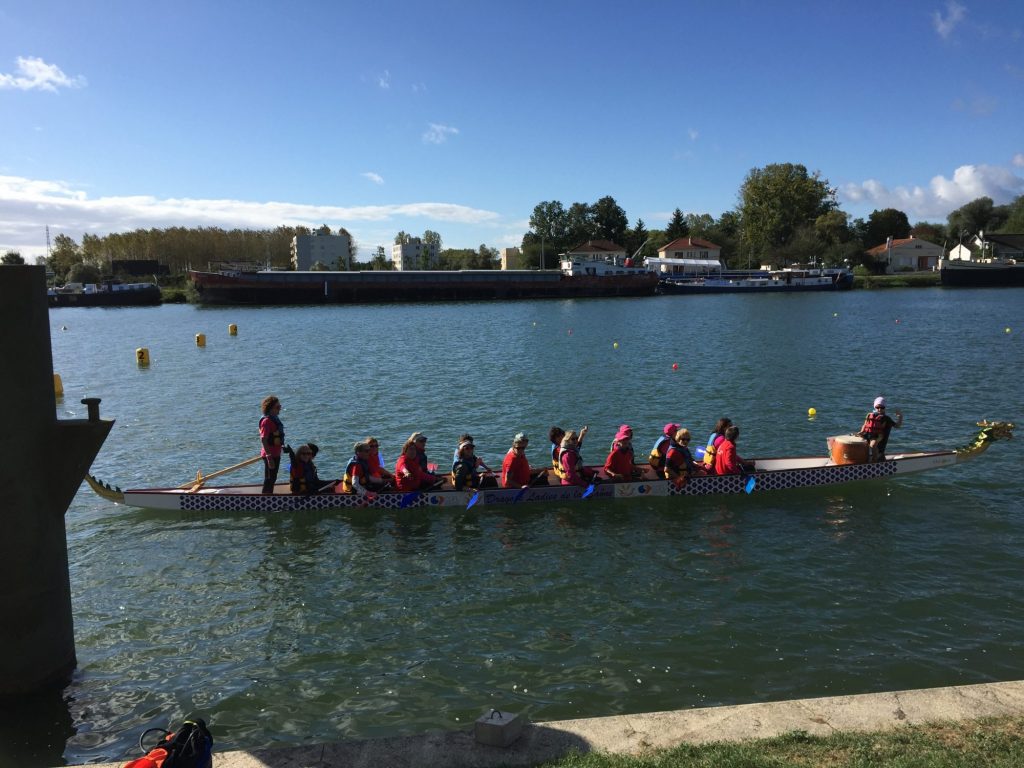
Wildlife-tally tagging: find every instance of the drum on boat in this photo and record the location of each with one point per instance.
(848, 449)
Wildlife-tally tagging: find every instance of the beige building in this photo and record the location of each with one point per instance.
(414, 254)
(907, 255)
(333, 251)
(512, 258)
(687, 255)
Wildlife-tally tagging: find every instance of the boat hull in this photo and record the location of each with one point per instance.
(747, 284)
(980, 275)
(772, 475)
(139, 297)
(385, 287)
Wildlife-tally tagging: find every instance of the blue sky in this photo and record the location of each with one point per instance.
(461, 116)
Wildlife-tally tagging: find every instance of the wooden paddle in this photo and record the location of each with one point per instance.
(201, 479)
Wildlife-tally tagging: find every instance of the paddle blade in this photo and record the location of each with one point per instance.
(473, 500)
(519, 496)
(409, 499)
(590, 490)
(751, 482)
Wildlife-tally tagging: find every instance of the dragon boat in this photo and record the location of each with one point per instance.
(845, 463)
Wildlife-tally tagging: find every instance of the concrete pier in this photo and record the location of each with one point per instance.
(636, 734)
(44, 462)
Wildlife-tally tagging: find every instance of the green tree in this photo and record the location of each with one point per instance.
(884, 224)
(550, 222)
(609, 221)
(323, 229)
(677, 226)
(933, 233)
(83, 273)
(430, 237)
(402, 238)
(1014, 217)
(380, 261)
(775, 202)
(12, 257)
(63, 256)
(579, 224)
(833, 227)
(979, 215)
(636, 238)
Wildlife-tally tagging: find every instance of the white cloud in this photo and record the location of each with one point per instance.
(942, 195)
(1018, 160)
(945, 25)
(35, 74)
(27, 206)
(384, 80)
(694, 135)
(376, 178)
(438, 134)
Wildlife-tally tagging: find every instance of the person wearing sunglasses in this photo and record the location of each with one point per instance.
(876, 428)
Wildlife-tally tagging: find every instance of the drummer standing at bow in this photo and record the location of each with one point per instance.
(877, 426)
(271, 441)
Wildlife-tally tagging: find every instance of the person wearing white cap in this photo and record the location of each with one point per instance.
(877, 426)
(515, 469)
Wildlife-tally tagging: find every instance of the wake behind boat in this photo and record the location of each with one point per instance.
(772, 474)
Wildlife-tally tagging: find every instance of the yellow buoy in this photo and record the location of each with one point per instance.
(615, 345)
(812, 412)
(1007, 330)
(232, 330)
(58, 385)
(142, 356)
(200, 339)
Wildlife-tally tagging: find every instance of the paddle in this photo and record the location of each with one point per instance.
(590, 490)
(409, 499)
(201, 479)
(476, 496)
(749, 485)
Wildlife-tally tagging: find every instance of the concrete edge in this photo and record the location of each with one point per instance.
(635, 734)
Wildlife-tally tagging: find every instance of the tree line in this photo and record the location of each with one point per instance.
(784, 215)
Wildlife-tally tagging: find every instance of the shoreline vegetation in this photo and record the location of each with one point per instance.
(992, 742)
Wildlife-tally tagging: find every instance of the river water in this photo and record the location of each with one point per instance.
(287, 629)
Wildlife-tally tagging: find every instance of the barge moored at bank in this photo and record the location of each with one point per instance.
(575, 280)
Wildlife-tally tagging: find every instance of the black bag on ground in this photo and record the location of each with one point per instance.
(191, 746)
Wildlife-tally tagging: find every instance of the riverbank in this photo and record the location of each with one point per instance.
(883, 728)
(900, 280)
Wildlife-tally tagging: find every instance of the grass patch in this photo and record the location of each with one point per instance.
(992, 743)
(899, 280)
(174, 295)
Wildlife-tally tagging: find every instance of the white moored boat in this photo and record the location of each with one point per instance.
(770, 475)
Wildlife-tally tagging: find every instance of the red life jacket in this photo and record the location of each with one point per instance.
(874, 424)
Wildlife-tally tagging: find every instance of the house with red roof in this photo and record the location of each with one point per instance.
(908, 254)
(687, 256)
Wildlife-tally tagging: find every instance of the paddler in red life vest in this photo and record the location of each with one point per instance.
(380, 478)
(727, 461)
(271, 441)
(357, 471)
(571, 463)
(657, 456)
(515, 468)
(409, 474)
(619, 465)
(876, 429)
(679, 463)
(714, 440)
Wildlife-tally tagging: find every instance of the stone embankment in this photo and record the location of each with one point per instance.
(635, 734)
